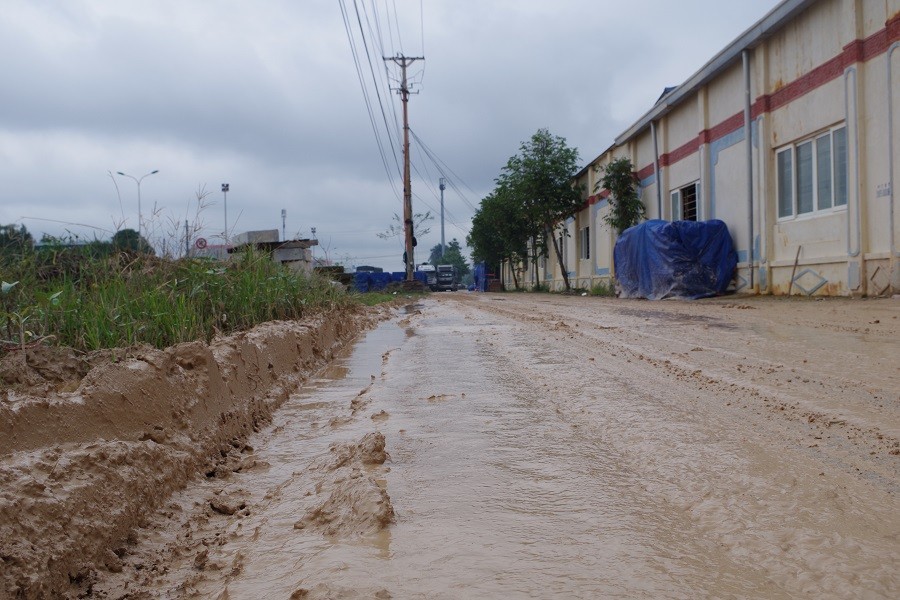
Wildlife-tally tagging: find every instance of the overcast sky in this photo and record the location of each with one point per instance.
(265, 96)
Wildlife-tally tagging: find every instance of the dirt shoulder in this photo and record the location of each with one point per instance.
(90, 446)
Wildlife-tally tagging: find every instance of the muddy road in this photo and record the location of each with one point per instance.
(536, 446)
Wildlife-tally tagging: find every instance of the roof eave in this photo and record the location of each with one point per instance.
(773, 21)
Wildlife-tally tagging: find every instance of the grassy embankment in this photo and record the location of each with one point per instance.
(68, 298)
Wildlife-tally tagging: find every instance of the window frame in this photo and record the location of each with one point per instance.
(584, 237)
(834, 187)
(676, 201)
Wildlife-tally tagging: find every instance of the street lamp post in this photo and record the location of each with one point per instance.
(442, 185)
(225, 188)
(138, 182)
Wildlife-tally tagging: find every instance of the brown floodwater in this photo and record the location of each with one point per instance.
(541, 452)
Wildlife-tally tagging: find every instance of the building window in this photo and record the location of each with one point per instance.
(812, 174)
(562, 249)
(585, 240)
(685, 202)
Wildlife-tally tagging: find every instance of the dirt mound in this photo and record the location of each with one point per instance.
(44, 368)
(324, 592)
(81, 468)
(354, 503)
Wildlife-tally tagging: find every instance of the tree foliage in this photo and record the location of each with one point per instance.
(534, 193)
(452, 255)
(499, 231)
(626, 208)
(15, 240)
(129, 239)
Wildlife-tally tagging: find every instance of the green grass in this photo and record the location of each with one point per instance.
(89, 302)
(604, 288)
(374, 298)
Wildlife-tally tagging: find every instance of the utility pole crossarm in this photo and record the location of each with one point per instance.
(404, 62)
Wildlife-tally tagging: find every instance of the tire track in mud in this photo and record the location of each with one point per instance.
(750, 384)
(755, 487)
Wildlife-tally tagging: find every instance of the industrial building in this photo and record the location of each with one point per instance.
(809, 195)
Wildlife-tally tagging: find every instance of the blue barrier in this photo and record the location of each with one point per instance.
(379, 281)
(361, 282)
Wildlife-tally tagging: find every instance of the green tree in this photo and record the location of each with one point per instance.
(539, 179)
(452, 256)
(15, 241)
(500, 232)
(437, 253)
(625, 207)
(128, 239)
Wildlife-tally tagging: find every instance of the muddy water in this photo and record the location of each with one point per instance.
(530, 461)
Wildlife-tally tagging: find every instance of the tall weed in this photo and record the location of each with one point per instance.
(91, 302)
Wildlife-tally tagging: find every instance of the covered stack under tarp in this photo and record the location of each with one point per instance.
(680, 259)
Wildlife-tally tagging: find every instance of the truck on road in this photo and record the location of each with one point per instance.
(447, 278)
(430, 275)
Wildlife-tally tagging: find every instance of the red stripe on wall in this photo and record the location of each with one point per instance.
(732, 123)
(856, 51)
(683, 151)
(645, 172)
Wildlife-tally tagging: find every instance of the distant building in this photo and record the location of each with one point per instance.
(295, 254)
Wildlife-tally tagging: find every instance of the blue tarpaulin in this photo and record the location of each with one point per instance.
(478, 276)
(680, 259)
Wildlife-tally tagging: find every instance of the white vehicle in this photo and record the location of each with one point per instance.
(430, 274)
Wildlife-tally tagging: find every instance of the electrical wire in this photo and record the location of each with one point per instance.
(366, 97)
(395, 133)
(397, 23)
(441, 164)
(375, 84)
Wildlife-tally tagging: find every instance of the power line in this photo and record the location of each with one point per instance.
(375, 84)
(441, 165)
(397, 23)
(366, 98)
(444, 168)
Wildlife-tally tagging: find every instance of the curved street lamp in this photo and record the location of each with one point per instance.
(138, 182)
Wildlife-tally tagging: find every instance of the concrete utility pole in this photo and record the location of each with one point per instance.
(404, 62)
(443, 187)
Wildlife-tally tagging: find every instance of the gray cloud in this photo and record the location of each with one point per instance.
(265, 96)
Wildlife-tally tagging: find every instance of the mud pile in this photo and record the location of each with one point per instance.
(87, 453)
(353, 503)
